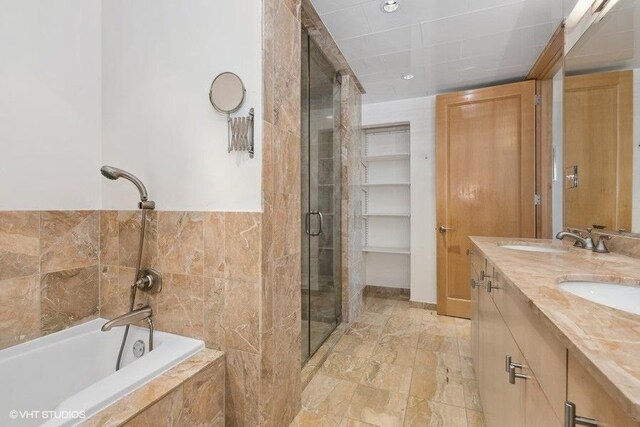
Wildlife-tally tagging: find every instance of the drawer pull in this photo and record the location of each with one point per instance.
(573, 420)
(513, 375)
(511, 367)
(475, 284)
(491, 286)
(483, 275)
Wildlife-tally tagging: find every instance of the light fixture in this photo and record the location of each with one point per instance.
(407, 76)
(330, 117)
(390, 6)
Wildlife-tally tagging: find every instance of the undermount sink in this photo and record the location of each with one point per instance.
(614, 295)
(533, 248)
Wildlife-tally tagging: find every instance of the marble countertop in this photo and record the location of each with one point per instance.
(605, 340)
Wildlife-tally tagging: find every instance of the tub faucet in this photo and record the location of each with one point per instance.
(582, 242)
(142, 313)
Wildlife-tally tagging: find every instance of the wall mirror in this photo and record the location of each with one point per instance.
(227, 93)
(599, 174)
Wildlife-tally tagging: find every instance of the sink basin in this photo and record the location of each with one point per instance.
(615, 295)
(533, 248)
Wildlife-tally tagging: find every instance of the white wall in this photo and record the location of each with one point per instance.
(420, 114)
(89, 82)
(557, 137)
(159, 58)
(49, 104)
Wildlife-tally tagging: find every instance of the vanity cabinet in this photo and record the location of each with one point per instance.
(545, 376)
(590, 399)
(518, 399)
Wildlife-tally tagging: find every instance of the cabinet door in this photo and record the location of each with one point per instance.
(538, 410)
(591, 400)
(502, 402)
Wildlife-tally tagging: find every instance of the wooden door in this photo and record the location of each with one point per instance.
(598, 139)
(485, 178)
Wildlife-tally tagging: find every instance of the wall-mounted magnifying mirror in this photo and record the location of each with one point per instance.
(227, 93)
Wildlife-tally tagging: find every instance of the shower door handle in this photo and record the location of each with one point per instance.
(307, 221)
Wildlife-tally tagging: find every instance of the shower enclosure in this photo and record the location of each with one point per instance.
(320, 155)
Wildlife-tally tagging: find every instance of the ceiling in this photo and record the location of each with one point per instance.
(445, 44)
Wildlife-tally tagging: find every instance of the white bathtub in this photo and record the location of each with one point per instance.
(74, 370)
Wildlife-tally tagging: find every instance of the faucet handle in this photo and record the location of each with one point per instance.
(601, 247)
(589, 230)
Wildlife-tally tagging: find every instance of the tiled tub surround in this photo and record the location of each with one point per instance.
(604, 340)
(48, 272)
(211, 267)
(189, 394)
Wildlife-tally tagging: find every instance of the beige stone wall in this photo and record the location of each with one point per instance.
(48, 272)
(351, 136)
(281, 243)
(211, 268)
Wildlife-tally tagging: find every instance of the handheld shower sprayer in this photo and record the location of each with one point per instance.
(114, 173)
(147, 280)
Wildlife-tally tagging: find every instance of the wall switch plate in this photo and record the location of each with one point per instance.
(571, 176)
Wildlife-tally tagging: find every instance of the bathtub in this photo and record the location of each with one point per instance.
(70, 375)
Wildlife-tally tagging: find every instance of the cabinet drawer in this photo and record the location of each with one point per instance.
(477, 261)
(544, 354)
(591, 400)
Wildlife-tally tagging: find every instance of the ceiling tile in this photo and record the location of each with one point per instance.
(411, 12)
(347, 23)
(405, 38)
(446, 44)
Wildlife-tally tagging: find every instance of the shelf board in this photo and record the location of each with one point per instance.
(382, 157)
(382, 250)
(390, 215)
(388, 184)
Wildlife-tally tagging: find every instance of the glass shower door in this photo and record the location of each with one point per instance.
(320, 155)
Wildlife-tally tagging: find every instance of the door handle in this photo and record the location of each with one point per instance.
(307, 221)
(443, 229)
(572, 420)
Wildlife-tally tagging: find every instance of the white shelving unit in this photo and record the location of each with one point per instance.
(386, 209)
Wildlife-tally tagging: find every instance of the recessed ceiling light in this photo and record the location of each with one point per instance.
(407, 76)
(390, 6)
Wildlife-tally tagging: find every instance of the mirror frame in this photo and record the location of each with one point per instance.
(244, 93)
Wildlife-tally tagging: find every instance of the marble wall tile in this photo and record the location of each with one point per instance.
(68, 239)
(214, 244)
(203, 398)
(19, 310)
(19, 244)
(181, 242)
(242, 246)
(241, 315)
(214, 298)
(109, 238)
(68, 297)
(129, 239)
(163, 412)
(242, 389)
(179, 307)
(115, 289)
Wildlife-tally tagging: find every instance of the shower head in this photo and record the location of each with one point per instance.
(114, 173)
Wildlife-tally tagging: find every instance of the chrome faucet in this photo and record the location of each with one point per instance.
(142, 313)
(581, 242)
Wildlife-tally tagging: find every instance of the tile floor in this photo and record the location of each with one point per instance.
(396, 366)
